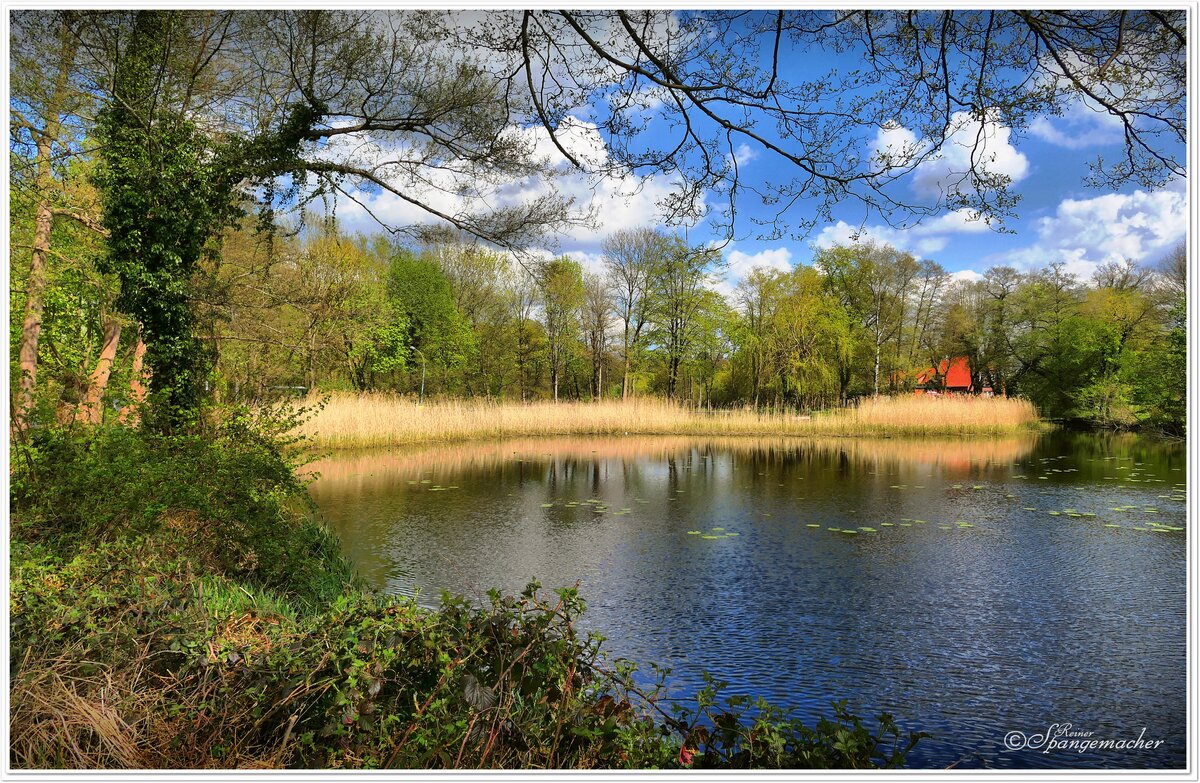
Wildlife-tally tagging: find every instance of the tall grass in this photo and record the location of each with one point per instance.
(349, 421)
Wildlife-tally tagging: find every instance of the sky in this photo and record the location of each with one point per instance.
(1058, 218)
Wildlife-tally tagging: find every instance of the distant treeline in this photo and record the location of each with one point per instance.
(323, 310)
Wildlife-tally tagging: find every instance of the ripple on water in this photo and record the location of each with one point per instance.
(1018, 622)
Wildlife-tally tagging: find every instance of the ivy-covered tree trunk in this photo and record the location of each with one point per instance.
(168, 191)
(160, 210)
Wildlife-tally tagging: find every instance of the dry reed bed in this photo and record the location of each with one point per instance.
(349, 421)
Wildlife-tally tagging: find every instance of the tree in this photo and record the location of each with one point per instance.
(597, 321)
(630, 256)
(168, 190)
(933, 281)
(757, 296)
(422, 296)
(677, 285)
(46, 105)
(709, 346)
(810, 334)
(1160, 371)
(483, 283)
(712, 79)
(872, 282)
(560, 283)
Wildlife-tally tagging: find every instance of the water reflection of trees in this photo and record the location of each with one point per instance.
(564, 459)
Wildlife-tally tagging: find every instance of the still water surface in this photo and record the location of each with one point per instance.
(966, 608)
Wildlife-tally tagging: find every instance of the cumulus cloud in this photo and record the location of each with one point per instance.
(592, 263)
(1085, 233)
(895, 146)
(960, 221)
(1078, 128)
(744, 154)
(924, 239)
(968, 275)
(985, 144)
(618, 201)
(740, 264)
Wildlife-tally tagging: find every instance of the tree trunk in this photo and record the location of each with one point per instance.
(878, 350)
(92, 410)
(625, 373)
(137, 385)
(35, 287)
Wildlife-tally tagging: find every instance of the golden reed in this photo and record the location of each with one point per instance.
(361, 420)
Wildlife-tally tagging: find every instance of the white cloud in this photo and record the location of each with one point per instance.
(986, 145)
(842, 233)
(968, 275)
(895, 146)
(925, 238)
(592, 263)
(926, 247)
(618, 202)
(1085, 233)
(960, 221)
(1078, 128)
(744, 154)
(740, 264)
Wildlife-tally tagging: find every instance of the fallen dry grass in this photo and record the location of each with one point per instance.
(351, 421)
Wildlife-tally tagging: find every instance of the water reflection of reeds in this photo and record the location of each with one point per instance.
(375, 467)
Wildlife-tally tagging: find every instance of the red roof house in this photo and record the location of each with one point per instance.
(953, 375)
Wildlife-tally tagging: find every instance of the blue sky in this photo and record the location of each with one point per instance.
(1058, 218)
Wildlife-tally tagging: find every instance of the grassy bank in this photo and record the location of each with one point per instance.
(173, 606)
(349, 421)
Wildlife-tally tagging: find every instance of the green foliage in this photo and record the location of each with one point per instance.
(793, 337)
(1159, 376)
(365, 681)
(226, 500)
(168, 189)
(740, 732)
(422, 295)
(560, 283)
(165, 194)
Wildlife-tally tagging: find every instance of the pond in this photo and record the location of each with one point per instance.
(989, 586)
